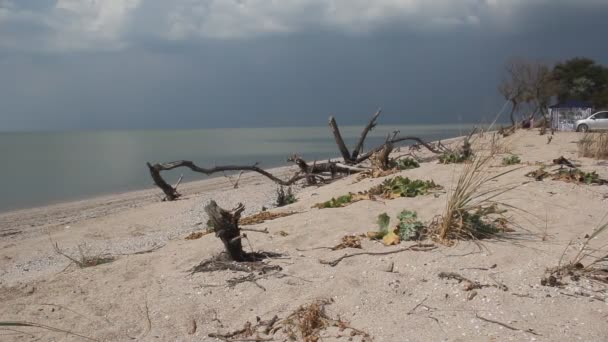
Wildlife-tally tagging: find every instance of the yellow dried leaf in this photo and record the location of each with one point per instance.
(374, 235)
(391, 239)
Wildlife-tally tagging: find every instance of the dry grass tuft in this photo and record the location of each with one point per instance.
(84, 258)
(307, 322)
(590, 262)
(594, 145)
(471, 212)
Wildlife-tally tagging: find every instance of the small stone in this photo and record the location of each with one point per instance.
(389, 268)
(471, 295)
(192, 327)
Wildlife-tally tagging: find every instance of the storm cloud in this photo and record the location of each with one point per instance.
(114, 64)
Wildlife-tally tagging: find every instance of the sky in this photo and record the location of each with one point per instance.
(154, 64)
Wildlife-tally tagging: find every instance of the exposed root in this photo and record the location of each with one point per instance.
(221, 262)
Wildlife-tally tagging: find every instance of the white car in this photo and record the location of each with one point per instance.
(595, 122)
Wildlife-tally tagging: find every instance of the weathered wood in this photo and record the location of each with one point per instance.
(339, 141)
(394, 141)
(370, 125)
(172, 194)
(226, 226)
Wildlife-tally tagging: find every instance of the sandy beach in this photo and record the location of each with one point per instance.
(152, 296)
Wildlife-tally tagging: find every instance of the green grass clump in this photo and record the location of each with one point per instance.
(404, 187)
(511, 160)
(407, 164)
(409, 226)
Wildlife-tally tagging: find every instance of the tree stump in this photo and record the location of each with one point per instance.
(226, 225)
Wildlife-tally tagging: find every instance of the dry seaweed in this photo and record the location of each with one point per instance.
(262, 217)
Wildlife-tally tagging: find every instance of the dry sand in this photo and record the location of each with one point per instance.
(153, 297)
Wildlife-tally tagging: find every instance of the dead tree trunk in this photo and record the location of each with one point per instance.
(226, 225)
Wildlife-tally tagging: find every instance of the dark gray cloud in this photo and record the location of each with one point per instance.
(72, 64)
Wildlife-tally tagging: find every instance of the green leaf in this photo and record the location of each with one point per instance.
(383, 221)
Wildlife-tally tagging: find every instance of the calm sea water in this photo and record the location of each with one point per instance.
(41, 168)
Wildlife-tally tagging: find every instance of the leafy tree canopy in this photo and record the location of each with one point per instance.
(582, 79)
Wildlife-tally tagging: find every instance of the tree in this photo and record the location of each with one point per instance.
(582, 79)
(528, 85)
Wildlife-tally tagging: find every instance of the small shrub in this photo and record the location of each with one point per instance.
(594, 145)
(403, 187)
(409, 226)
(452, 158)
(511, 160)
(285, 197)
(343, 200)
(407, 164)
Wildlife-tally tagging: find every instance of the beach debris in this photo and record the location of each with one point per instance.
(263, 216)
(569, 176)
(419, 247)
(563, 162)
(348, 241)
(198, 235)
(223, 262)
(468, 284)
(304, 324)
(510, 327)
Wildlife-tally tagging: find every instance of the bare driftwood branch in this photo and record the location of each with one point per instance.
(339, 141)
(370, 125)
(171, 192)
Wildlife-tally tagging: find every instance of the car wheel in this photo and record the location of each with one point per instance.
(582, 128)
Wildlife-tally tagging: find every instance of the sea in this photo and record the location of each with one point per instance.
(42, 168)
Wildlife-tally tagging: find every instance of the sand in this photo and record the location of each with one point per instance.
(153, 296)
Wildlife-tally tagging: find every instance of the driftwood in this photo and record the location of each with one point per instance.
(226, 224)
(356, 157)
(312, 174)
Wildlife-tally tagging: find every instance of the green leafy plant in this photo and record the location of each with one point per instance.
(407, 163)
(383, 222)
(404, 187)
(409, 227)
(337, 202)
(451, 157)
(511, 160)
